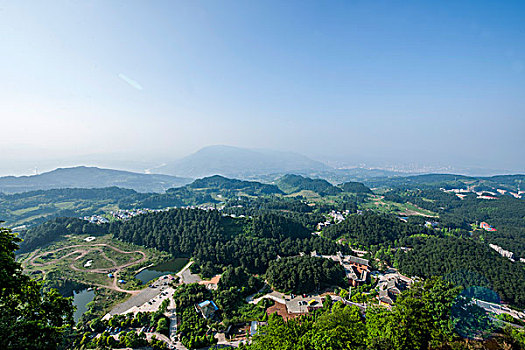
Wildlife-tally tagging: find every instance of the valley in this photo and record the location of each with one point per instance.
(289, 247)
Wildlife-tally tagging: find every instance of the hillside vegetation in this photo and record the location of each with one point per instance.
(466, 263)
(216, 241)
(304, 274)
(296, 183)
(355, 187)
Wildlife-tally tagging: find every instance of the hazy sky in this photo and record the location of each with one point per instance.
(435, 82)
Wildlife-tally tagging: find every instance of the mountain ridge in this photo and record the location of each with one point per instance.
(90, 177)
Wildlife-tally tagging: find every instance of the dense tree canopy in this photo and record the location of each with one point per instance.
(28, 319)
(506, 214)
(464, 261)
(341, 327)
(216, 241)
(296, 183)
(296, 209)
(355, 187)
(372, 229)
(304, 274)
(54, 229)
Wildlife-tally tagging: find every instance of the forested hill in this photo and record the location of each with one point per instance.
(370, 229)
(296, 183)
(90, 177)
(467, 263)
(34, 207)
(355, 187)
(68, 194)
(55, 229)
(218, 182)
(216, 241)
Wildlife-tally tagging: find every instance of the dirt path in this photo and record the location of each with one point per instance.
(91, 248)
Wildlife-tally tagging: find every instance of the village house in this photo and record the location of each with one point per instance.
(357, 269)
(486, 226)
(212, 283)
(207, 308)
(390, 285)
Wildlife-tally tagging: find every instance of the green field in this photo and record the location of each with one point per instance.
(377, 203)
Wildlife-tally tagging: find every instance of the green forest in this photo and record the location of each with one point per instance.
(296, 183)
(373, 229)
(466, 263)
(304, 274)
(216, 241)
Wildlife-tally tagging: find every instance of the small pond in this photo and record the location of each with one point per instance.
(80, 300)
(166, 268)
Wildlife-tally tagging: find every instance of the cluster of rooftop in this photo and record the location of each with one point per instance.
(356, 269)
(95, 219)
(390, 285)
(333, 216)
(486, 226)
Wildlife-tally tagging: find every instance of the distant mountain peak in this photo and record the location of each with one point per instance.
(231, 161)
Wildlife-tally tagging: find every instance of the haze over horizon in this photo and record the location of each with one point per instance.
(131, 85)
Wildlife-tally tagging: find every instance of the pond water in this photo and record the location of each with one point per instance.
(166, 268)
(80, 300)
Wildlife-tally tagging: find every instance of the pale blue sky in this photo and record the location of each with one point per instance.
(414, 81)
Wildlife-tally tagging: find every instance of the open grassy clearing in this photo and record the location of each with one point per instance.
(306, 194)
(97, 259)
(52, 257)
(25, 210)
(378, 203)
(65, 205)
(120, 258)
(66, 259)
(415, 209)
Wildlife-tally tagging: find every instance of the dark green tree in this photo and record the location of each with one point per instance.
(29, 319)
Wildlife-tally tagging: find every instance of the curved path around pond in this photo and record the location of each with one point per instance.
(83, 250)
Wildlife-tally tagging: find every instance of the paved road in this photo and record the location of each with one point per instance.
(498, 309)
(275, 296)
(172, 315)
(186, 276)
(142, 296)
